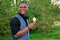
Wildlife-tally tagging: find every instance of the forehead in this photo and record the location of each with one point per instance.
(23, 4)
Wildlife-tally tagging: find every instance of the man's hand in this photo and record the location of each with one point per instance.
(31, 25)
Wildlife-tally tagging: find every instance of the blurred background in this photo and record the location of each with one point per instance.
(47, 13)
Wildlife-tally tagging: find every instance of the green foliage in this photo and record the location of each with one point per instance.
(45, 13)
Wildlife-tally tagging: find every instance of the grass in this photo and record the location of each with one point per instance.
(52, 34)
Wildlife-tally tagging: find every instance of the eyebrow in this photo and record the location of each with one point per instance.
(23, 7)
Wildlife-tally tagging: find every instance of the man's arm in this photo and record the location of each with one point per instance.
(14, 25)
(23, 31)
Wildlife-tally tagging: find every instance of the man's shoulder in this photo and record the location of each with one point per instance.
(14, 19)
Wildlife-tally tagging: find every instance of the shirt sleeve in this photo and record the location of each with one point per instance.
(15, 25)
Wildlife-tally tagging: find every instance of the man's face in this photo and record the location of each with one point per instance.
(23, 8)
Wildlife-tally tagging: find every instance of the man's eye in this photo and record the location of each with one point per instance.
(23, 7)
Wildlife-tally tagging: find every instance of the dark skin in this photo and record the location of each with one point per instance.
(23, 8)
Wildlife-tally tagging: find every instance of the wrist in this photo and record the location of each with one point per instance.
(28, 27)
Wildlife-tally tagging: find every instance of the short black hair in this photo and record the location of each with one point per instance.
(22, 2)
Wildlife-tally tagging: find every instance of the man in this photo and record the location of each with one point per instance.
(19, 24)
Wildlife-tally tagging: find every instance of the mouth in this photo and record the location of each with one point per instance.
(23, 12)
